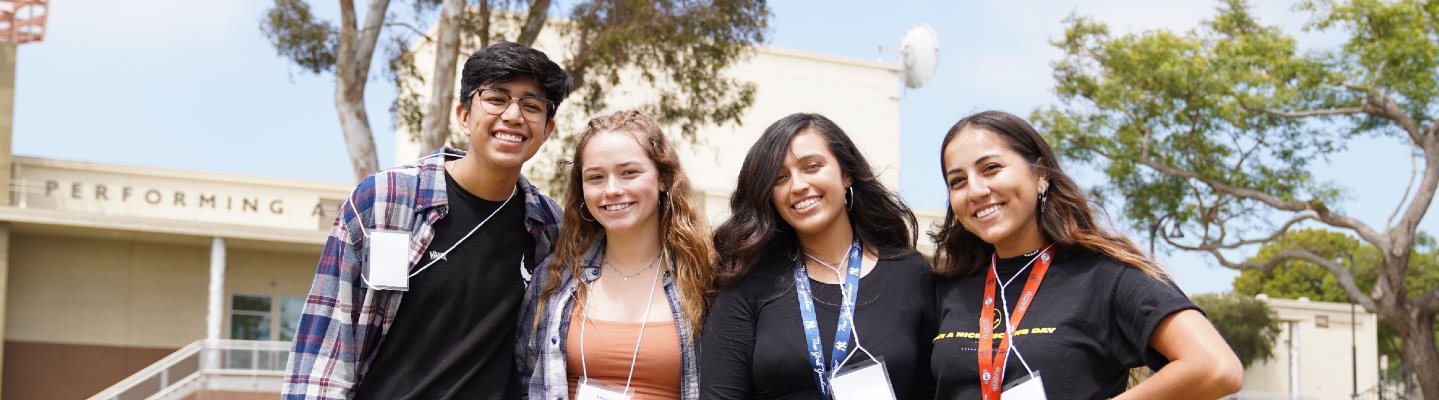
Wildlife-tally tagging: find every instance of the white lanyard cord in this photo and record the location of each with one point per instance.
(842, 294)
(584, 318)
(441, 256)
(1009, 328)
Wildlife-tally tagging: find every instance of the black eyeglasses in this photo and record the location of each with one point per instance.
(495, 102)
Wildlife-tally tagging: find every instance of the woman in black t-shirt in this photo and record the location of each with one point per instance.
(1065, 307)
(810, 218)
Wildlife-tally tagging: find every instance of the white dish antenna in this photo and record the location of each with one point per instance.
(918, 55)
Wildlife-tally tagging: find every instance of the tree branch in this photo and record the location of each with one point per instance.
(364, 45)
(1346, 280)
(1388, 109)
(1413, 172)
(1323, 213)
(1429, 302)
(412, 29)
(1302, 114)
(435, 128)
(1241, 243)
(534, 22)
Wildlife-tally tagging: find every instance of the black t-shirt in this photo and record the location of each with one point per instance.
(754, 344)
(1090, 321)
(454, 334)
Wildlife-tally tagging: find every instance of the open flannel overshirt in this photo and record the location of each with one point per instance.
(541, 349)
(344, 322)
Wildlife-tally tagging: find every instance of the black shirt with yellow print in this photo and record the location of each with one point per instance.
(1090, 322)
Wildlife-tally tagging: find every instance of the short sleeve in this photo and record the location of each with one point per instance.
(1140, 303)
(728, 346)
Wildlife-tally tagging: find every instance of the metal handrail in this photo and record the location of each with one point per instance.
(149, 372)
(175, 386)
(209, 354)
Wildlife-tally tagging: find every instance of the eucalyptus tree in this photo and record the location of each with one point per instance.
(1214, 132)
(679, 48)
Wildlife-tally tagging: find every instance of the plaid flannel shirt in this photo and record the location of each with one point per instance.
(344, 322)
(542, 364)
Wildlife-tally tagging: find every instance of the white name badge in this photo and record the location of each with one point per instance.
(594, 389)
(867, 380)
(1027, 388)
(389, 264)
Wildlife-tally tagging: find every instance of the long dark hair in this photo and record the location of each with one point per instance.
(1065, 218)
(683, 230)
(878, 218)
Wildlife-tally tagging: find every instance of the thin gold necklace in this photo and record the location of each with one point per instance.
(641, 271)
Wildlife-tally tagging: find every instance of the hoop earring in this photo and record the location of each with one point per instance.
(849, 199)
(583, 207)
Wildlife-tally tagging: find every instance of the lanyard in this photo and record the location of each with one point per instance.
(991, 375)
(844, 326)
(584, 368)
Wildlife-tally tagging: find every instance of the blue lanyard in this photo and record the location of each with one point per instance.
(844, 326)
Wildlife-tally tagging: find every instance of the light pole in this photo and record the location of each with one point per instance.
(1353, 341)
(1154, 228)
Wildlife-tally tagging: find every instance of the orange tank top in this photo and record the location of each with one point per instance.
(609, 346)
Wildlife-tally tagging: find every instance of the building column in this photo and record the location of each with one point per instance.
(7, 114)
(1294, 360)
(4, 286)
(215, 318)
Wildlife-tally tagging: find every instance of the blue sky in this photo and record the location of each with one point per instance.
(196, 86)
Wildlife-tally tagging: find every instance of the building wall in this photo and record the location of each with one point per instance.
(1323, 354)
(86, 312)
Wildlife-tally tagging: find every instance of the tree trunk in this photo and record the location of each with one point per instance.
(355, 124)
(435, 128)
(534, 22)
(352, 69)
(1420, 353)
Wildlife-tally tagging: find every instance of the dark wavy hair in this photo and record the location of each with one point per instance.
(1066, 217)
(503, 62)
(755, 229)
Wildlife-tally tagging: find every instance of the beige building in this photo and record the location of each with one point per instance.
(1313, 358)
(111, 268)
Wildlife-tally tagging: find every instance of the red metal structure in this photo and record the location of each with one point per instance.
(23, 21)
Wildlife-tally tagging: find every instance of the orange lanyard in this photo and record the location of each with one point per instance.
(991, 373)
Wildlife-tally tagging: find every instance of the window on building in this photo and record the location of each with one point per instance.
(290, 308)
(254, 317)
(260, 317)
(250, 316)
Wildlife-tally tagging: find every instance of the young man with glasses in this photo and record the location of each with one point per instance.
(456, 235)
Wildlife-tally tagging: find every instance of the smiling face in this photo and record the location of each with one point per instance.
(504, 141)
(621, 184)
(810, 187)
(993, 191)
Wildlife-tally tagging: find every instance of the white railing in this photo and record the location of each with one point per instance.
(1254, 395)
(190, 366)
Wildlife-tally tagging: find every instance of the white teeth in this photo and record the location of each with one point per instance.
(509, 138)
(806, 203)
(986, 212)
(617, 207)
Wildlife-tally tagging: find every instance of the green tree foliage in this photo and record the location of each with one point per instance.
(677, 48)
(1214, 131)
(1293, 279)
(1246, 323)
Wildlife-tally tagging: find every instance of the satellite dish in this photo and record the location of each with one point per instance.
(918, 55)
